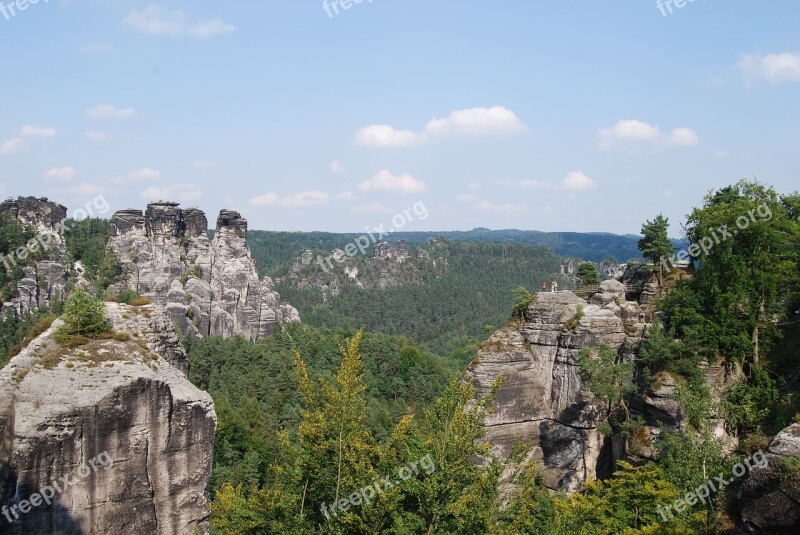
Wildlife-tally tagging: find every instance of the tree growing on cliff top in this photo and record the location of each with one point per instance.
(587, 273)
(655, 244)
(84, 318)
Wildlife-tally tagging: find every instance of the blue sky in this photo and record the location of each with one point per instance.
(560, 115)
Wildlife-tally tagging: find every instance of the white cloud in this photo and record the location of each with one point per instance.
(336, 167)
(577, 181)
(95, 136)
(268, 199)
(477, 122)
(632, 132)
(172, 22)
(177, 192)
(473, 186)
(719, 153)
(12, 146)
(468, 197)
(386, 181)
(683, 137)
(467, 123)
(203, 165)
(60, 174)
(383, 135)
(773, 68)
(305, 199)
(106, 111)
(36, 131)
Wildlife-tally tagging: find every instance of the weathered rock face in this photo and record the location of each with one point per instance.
(769, 498)
(542, 401)
(207, 287)
(120, 420)
(46, 280)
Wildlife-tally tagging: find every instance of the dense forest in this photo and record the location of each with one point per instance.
(447, 301)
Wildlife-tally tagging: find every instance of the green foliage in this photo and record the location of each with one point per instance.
(13, 236)
(747, 406)
(84, 318)
(610, 380)
(587, 273)
(127, 296)
(655, 243)
(17, 332)
(522, 300)
(333, 453)
(627, 503)
(86, 241)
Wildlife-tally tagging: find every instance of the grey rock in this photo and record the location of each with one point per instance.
(768, 501)
(61, 410)
(543, 402)
(222, 294)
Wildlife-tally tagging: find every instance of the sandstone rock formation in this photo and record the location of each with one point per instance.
(127, 401)
(208, 287)
(769, 498)
(45, 280)
(543, 402)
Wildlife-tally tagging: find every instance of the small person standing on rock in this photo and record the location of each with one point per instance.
(554, 286)
(544, 286)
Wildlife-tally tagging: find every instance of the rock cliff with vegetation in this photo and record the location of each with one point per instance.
(114, 393)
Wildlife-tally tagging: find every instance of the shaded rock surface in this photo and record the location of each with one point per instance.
(125, 401)
(208, 287)
(543, 402)
(769, 498)
(45, 280)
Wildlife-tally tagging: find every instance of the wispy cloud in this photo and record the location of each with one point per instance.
(156, 20)
(467, 123)
(12, 146)
(203, 165)
(386, 181)
(60, 174)
(177, 192)
(96, 136)
(140, 175)
(107, 111)
(303, 199)
(336, 167)
(30, 130)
